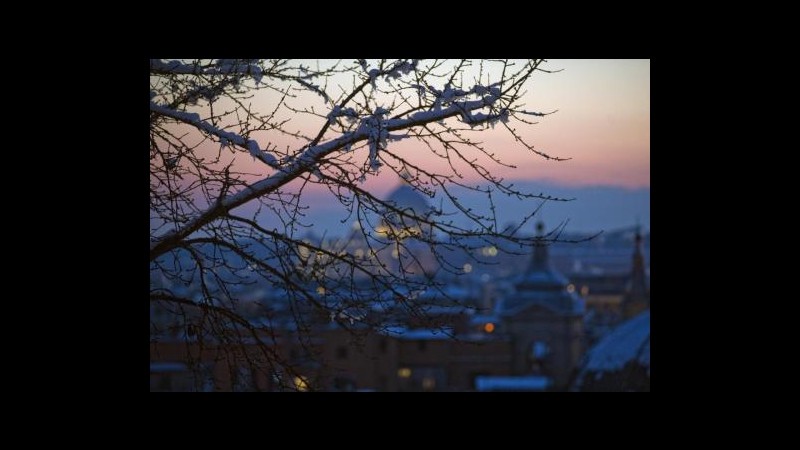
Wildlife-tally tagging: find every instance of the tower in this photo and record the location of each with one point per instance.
(544, 317)
(637, 295)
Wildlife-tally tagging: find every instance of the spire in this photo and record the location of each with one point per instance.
(637, 297)
(638, 283)
(542, 284)
(540, 257)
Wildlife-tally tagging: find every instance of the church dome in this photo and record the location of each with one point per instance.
(405, 197)
(410, 225)
(543, 285)
(412, 204)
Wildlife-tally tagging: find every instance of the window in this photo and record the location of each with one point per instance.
(300, 384)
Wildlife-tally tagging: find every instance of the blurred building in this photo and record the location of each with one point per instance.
(408, 231)
(613, 296)
(544, 317)
(531, 339)
(620, 361)
(637, 294)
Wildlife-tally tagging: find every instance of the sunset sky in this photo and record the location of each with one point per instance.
(602, 124)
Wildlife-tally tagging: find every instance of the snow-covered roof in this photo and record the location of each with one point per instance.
(507, 383)
(441, 310)
(167, 367)
(419, 333)
(483, 319)
(451, 290)
(630, 341)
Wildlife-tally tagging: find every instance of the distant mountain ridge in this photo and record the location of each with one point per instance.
(595, 208)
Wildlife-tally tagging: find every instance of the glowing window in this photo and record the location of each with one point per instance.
(404, 372)
(489, 327)
(300, 384)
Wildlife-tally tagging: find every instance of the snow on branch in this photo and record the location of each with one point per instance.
(374, 129)
(532, 113)
(350, 113)
(401, 68)
(313, 88)
(225, 137)
(222, 67)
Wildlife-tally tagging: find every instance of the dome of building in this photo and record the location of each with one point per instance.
(405, 197)
(542, 285)
(409, 229)
(412, 204)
